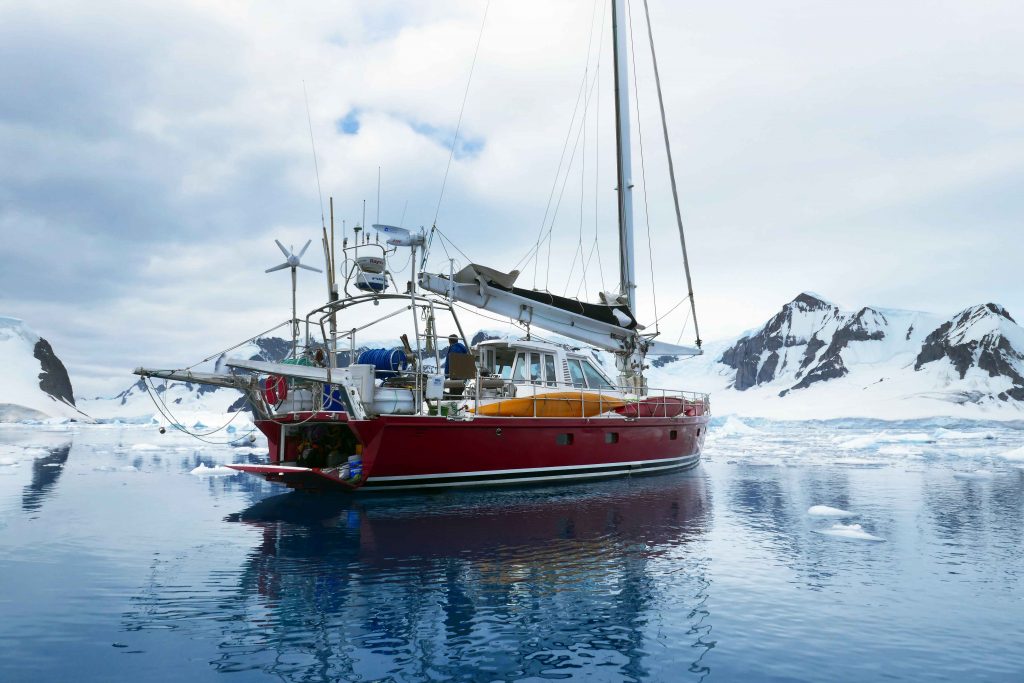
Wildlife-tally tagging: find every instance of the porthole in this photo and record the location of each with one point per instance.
(611, 437)
(564, 439)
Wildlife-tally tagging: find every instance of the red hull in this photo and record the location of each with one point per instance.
(406, 452)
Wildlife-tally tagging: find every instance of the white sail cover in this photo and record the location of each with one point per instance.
(606, 326)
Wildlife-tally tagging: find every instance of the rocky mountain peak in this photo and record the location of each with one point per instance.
(809, 301)
(984, 336)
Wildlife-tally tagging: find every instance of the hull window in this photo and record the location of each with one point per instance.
(564, 439)
(673, 435)
(611, 437)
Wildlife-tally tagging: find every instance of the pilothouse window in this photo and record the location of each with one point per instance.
(549, 369)
(519, 375)
(576, 373)
(594, 378)
(503, 361)
(535, 367)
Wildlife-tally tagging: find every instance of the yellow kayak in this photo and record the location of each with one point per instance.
(554, 404)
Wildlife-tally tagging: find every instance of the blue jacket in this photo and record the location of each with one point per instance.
(457, 347)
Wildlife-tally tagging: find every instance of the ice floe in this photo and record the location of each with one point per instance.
(853, 532)
(215, 471)
(976, 474)
(145, 447)
(733, 426)
(111, 468)
(1017, 454)
(826, 511)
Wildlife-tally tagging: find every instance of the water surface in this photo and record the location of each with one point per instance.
(119, 564)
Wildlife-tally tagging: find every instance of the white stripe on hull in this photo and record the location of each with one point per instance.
(424, 480)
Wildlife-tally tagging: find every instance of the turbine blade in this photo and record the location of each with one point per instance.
(315, 270)
(280, 267)
(283, 250)
(305, 248)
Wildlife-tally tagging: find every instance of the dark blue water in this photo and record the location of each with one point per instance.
(116, 563)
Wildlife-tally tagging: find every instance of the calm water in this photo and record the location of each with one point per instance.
(118, 564)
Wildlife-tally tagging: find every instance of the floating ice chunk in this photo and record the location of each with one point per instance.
(145, 447)
(942, 434)
(215, 471)
(733, 426)
(857, 462)
(866, 441)
(976, 474)
(7, 462)
(826, 511)
(128, 468)
(111, 468)
(1015, 454)
(853, 532)
(895, 449)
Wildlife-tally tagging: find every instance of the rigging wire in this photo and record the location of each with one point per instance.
(643, 167)
(316, 166)
(462, 109)
(165, 411)
(672, 176)
(535, 249)
(554, 184)
(241, 343)
(547, 235)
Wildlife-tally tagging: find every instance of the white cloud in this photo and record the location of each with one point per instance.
(868, 151)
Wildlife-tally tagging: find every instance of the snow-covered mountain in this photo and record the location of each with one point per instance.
(34, 385)
(814, 359)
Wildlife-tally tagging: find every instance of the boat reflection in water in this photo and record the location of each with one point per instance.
(488, 585)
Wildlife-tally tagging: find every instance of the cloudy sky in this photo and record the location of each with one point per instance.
(872, 152)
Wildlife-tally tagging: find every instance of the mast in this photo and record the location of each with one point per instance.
(627, 270)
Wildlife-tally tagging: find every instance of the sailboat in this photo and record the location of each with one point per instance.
(502, 412)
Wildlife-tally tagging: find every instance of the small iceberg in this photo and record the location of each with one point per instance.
(854, 532)
(826, 511)
(215, 471)
(733, 426)
(976, 474)
(145, 447)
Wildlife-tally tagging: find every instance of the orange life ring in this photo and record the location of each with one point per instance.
(275, 389)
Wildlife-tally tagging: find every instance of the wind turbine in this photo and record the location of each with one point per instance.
(293, 261)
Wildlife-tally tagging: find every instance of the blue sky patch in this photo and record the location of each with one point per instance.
(466, 147)
(349, 124)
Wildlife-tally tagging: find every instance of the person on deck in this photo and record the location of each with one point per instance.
(454, 346)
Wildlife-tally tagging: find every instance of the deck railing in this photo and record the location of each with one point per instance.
(485, 396)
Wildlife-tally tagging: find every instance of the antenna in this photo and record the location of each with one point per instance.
(293, 261)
